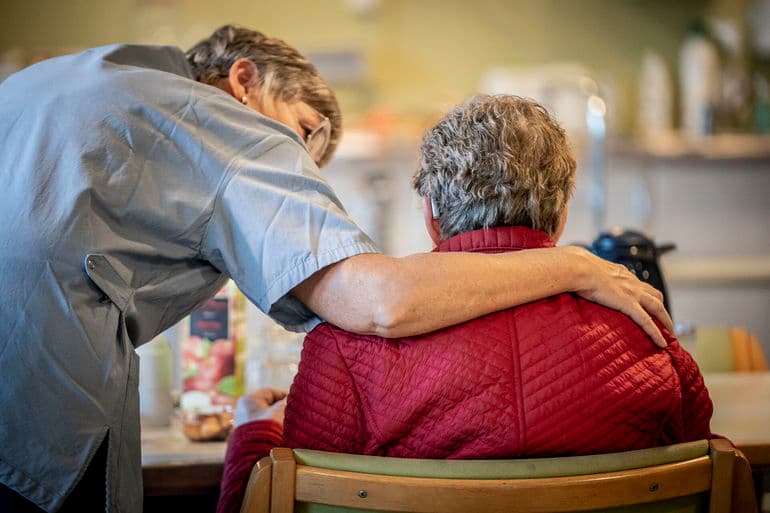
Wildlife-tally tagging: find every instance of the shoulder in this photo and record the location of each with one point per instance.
(570, 315)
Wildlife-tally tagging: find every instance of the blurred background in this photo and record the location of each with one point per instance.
(666, 103)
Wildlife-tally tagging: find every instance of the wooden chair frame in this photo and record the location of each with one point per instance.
(258, 489)
(278, 481)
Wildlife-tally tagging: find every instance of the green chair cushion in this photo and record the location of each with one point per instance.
(503, 469)
(695, 504)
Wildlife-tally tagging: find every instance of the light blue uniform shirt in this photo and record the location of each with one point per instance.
(130, 193)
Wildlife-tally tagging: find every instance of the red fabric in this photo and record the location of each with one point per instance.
(246, 445)
(560, 376)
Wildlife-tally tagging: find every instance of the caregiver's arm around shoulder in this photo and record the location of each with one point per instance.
(393, 297)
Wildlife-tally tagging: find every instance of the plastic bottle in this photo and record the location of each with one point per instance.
(699, 76)
(656, 96)
(282, 356)
(155, 402)
(761, 104)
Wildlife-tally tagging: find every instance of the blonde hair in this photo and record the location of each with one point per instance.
(496, 160)
(283, 71)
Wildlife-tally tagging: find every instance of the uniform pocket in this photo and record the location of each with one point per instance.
(104, 276)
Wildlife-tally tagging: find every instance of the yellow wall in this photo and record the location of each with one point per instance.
(420, 52)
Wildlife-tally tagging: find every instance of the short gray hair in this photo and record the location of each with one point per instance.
(283, 71)
(494, 161)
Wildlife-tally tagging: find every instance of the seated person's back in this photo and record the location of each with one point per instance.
(560, 376)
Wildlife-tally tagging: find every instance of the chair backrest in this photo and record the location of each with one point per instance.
(257, 496)
(692, 477)
(747, 351)
(728, 349)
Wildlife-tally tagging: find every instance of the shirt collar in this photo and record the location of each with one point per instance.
(497, 240)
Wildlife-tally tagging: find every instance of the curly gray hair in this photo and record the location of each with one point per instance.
(496, 160)
(283, 71)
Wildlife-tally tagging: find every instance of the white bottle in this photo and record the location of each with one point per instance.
(656, 97)
(699, 75)
(155, 402)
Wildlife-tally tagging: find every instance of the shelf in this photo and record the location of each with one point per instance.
(716, 148)
(754, 270)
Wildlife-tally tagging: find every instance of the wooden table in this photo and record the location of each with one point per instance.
(176, 467)
(742, 411)
(179, 474)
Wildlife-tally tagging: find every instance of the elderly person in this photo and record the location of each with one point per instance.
(558, 376)
(138, 179)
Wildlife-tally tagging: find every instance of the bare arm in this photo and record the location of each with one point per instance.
(393, 297)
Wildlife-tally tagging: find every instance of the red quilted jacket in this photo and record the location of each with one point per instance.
(560, 376)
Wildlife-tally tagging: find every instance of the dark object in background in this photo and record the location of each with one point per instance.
(637, 252)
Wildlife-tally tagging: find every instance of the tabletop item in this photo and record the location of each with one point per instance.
(156, 405)
(211, 365)
(638, 252)
(207, 426)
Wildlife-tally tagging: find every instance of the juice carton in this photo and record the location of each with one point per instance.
(212, 374)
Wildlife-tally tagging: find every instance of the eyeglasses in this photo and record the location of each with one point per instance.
(318, 140)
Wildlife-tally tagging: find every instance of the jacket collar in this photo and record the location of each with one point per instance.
(497, 240)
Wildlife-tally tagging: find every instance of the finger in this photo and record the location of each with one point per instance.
(649, 289)
(640, 316)
(624, 271)
(276, 406)
(263, 397)
(657, 309)
(273, 395)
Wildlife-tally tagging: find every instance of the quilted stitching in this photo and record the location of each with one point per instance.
(560, 376)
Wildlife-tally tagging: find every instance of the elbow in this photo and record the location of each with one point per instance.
(389, 320)
(373, 296)
(392, 315)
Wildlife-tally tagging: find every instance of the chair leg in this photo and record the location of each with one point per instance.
(283, 486)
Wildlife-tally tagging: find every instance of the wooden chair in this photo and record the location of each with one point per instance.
(257, 496)
(747, 351)
(728, 349)
(696, 476)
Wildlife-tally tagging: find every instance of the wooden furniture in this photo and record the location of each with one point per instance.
(684, 477)
(180, 475)
(257, 496)
(725, 349)
(174, 467)
(742, 411)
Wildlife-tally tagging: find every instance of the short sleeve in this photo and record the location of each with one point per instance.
(276, 222)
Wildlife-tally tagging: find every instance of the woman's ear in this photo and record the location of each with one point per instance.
(431, 222)
(243, 81)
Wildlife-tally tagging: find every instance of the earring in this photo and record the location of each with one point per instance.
(244, 99)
